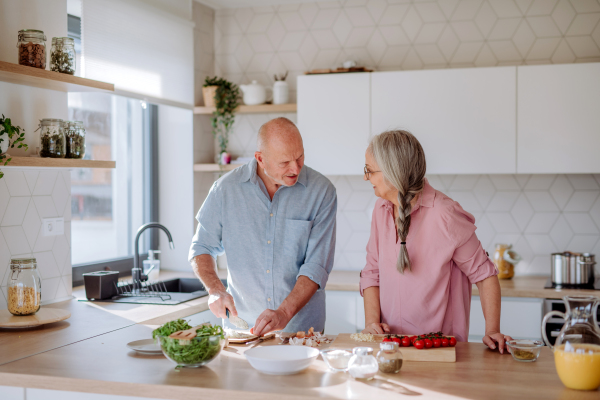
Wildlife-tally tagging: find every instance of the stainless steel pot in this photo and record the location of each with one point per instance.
(572, 268)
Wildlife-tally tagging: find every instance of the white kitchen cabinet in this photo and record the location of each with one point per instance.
(12, 393)
(45, 394)
(558, 124)
(520, 318)
(463, 118)
(333, 118)
(345, 312)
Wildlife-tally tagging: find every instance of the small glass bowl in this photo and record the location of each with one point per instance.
(337, 359)
(525, 350)
(192, 353)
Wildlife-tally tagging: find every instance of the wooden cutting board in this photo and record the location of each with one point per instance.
(440, 354)
(43, 316)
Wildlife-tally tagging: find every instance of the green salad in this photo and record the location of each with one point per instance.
(202, 348)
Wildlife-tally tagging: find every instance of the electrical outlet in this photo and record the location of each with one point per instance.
(53, 226)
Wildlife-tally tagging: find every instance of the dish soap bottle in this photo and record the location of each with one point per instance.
(151, 266)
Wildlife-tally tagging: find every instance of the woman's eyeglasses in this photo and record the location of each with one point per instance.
(368, 173)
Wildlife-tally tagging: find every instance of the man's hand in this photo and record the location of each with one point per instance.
(496, 339)
(218, 301)
(269, 321)
(377, 328)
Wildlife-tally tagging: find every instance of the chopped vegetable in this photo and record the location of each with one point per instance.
(203, 347)
(170, 327)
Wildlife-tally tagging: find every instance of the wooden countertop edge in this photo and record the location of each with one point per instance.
(158, 391)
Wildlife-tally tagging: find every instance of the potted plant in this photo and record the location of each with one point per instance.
(10, 136)
(226, 99)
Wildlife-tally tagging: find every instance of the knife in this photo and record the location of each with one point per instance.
(237, 321)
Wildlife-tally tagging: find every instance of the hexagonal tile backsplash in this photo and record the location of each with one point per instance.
(27, 196)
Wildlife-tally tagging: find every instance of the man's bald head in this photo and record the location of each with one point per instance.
(276, 132)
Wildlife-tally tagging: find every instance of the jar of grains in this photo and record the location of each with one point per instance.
(52, 138)
(62, 55)
(75, 137)
(24, 287)
(32, 48)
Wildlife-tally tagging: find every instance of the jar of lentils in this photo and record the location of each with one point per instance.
(75, 137)
(62, 55)
(32, 48)
(24, 287)
(52, 138)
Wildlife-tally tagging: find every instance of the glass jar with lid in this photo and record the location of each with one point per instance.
(75, 138)
(32, 48)
(24, 287)
(389, 358)
(363, 365)
(52, 138)
(62, 55)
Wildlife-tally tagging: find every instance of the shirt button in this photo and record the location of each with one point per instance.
(269, 242)
(271, 214)
(268, 271)
(269, 299)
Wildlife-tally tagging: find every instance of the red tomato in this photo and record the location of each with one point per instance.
(445, 342)
(405, 342)
(428, 343)
(387, 339)
(437, 342)
(397, 340)
(452, 342)
(419, 344)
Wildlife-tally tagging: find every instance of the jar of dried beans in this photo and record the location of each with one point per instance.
(75, 137)
(52, 138)
(62, 55)
(32, 48)
(24, 287)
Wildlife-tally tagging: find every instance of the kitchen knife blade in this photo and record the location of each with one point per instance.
(237, 321)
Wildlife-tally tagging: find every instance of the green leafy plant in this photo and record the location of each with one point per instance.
(15, 135)
(226, 101)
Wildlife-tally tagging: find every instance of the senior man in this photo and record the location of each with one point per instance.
(275, 219)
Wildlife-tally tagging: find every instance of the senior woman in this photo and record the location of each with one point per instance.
(423, 254)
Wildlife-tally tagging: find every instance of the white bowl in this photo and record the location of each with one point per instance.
(281, 360)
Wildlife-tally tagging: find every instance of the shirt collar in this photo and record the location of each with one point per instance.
(250, 174)
(426, 198)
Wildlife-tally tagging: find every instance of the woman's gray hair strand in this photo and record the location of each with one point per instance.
(402, 162)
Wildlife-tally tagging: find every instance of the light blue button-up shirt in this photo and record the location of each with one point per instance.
(270, 243)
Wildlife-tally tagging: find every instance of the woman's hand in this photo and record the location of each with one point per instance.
(496, 339)
(377, 328)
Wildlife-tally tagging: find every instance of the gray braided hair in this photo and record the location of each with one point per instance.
(402, 162)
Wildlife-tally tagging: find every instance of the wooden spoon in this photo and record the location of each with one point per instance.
(187, 334)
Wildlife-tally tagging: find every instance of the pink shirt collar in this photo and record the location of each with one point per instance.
(426, 200)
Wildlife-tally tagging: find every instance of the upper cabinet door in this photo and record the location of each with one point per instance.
(333, 118)
(464, 118)
(558, 125)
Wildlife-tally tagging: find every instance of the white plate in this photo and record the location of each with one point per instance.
(281, 360)
(146, 346)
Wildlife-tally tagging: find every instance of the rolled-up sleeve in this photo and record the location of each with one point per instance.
(369, 276)
(208, 237)
(320, 250)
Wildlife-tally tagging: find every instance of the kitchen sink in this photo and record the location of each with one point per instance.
(178, 290)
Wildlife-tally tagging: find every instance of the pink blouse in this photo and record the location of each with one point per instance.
(446, 256)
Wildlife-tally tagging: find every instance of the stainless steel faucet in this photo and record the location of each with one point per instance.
(137, 273)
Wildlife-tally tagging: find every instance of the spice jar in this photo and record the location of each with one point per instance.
(24, 287)
(52, 138)
(389, 358)
(505, 260)
(362, 366)
(75, 139)
(62, 55)
(32, 48)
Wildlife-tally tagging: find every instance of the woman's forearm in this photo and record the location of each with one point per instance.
(489, 292)
(372, 306)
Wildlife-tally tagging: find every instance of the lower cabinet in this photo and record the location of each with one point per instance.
(520, 318)
(17, 393)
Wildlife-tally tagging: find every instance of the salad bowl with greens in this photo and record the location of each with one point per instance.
(195, 352)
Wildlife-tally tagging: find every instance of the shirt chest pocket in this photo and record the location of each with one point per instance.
(295, 239)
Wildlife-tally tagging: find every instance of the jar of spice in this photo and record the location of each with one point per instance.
(75, 138)
(24, 287)
(389, 358)
(52, 138)
(505, 260)
(62, 55)
(32, 48)
(362, 366)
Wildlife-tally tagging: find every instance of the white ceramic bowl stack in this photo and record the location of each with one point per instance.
(281, 360)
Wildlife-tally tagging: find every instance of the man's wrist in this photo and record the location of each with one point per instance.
(286, 311)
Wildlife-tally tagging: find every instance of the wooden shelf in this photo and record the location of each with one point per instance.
(215, 167)
(36, 77)
(261, 108)
(39, 162)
